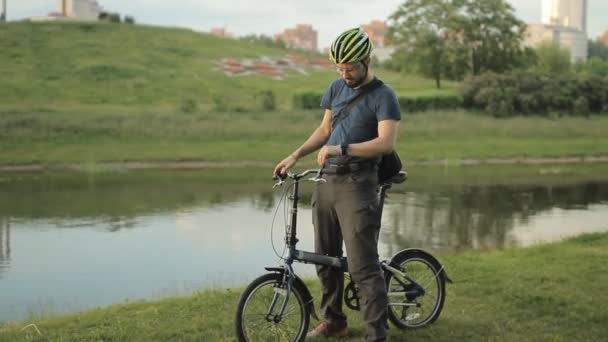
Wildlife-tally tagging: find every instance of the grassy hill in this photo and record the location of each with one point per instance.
(95, 92)
(84, 65)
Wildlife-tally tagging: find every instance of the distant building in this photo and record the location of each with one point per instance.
(3, 13)
(568, 13)
(376, 31)
(603, 38)
(567, 37)
(73, 10)
(79, 9)
(301, 37)
(220, 32)
(564, 23)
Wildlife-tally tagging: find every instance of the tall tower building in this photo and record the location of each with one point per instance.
(568, 13)
(3, 13)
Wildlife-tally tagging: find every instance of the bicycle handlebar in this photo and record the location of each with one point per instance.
(280, 178)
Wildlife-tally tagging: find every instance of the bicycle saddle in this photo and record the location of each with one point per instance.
(398, 178)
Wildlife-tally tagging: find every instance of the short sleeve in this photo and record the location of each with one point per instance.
(387, 105)
(327, 97)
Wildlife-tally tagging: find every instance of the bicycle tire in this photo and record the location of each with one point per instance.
(253, 307)
(425, 270)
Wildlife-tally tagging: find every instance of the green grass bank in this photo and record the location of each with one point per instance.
(552, 292)
(98, 136)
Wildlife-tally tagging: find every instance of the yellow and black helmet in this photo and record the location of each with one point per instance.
(351, 46)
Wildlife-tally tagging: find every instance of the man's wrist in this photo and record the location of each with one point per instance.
(344, 149)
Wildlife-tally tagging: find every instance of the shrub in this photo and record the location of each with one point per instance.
(423, 103)
(188, 106)
(307, 100)
(267, 100)
(535, 93)
(129, 20)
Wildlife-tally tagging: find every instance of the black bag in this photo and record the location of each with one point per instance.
(389, 167)
(390, 164)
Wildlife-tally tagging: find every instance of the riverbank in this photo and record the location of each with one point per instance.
(139, 139)
(552, 292)
(202, 164)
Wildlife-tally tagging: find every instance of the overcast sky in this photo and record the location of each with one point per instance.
(242, 17)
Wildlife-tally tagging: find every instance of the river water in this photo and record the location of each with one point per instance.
(73, 241)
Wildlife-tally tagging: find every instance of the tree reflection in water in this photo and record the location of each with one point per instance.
(480, 217)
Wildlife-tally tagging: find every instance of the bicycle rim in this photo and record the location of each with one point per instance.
(253, 321)
(416, 311)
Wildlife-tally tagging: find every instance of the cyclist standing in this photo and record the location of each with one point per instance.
(345, 207)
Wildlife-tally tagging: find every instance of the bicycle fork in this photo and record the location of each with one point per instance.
(281, 292)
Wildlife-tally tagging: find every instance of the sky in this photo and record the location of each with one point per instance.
(268, 17)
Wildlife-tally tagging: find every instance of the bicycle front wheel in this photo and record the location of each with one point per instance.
(416, 299)
(258, 315)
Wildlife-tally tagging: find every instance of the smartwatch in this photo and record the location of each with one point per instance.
(344, 148)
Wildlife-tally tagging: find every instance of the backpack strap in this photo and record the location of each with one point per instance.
(368, 88)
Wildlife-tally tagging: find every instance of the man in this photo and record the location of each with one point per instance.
(345, 207)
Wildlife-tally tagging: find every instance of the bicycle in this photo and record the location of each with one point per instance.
(278, 305)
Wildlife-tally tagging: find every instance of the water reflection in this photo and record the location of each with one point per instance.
(5, 244)
(484, 217)
(80, 240)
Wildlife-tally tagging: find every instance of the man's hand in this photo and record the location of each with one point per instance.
(328, 151)
(284, 165)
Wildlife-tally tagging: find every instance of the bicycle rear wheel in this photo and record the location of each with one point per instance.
(417, 303)
(258, 308)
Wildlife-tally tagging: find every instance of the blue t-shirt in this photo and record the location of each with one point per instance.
(361, 124)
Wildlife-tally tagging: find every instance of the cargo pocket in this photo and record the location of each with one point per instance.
(368, 216)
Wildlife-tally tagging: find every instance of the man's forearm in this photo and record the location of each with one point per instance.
(371, 148)
(317, 139)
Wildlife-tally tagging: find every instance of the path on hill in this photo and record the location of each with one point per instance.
(202, 164)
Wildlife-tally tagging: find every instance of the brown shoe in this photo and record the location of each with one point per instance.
(328, 329)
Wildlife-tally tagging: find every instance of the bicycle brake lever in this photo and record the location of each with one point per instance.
(279, 183)
(317, 178)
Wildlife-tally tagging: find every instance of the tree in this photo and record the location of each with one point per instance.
(449, 38)
(114, 17)
(492, 34)
(129, 20)
(262, 39)
(594, 66)
(423, 31)
(552, 59)
(598, 49)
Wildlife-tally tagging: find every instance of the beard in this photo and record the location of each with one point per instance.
(355, 82)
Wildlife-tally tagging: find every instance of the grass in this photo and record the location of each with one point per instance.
(97, 136)
(552, 292)
(87, 66)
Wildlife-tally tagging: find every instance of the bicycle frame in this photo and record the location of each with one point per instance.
(296, 255)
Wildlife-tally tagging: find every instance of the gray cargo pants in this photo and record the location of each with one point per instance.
(345, 208)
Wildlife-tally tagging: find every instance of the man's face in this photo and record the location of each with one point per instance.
(352, 73)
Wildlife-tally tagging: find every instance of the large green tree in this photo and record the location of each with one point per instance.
(493, 35)
(552, 59)
(423, 32)
(598, 49)
(454, 37)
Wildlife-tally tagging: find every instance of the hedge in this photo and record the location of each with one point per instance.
(534, 93)
(312, 100)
